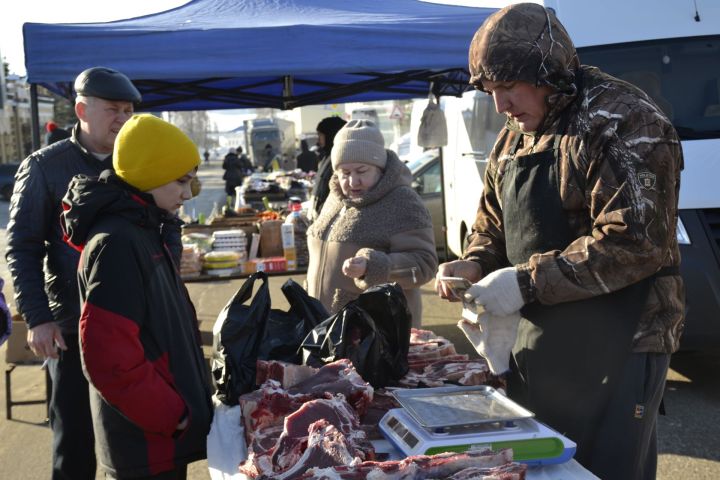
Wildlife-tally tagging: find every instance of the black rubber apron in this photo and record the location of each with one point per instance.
(567, 357)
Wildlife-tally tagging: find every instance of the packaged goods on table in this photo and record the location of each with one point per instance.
(267, 265)
(202, 241)
(300, 224)
(222, 262)
(235, 240)
(191, 261)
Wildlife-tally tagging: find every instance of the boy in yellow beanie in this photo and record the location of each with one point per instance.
(138, 329)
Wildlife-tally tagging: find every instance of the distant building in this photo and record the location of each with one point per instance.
(15, 118)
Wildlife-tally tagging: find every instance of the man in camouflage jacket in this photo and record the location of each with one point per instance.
(576, 230)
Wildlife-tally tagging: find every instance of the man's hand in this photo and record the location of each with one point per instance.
(458, 268)
(355, 267)
(43, 339)
(499, 292)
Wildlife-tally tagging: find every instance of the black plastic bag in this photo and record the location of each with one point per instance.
(245, 333)
(373, 332)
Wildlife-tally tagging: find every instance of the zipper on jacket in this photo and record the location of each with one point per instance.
(323, 250)
(401, 272)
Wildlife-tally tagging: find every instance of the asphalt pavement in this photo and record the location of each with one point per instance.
(689, 435)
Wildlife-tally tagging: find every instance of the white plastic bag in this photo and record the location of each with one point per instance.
(226, 443)
(433, 127)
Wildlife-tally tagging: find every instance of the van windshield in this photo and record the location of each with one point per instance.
(266, 136)
(682, 76)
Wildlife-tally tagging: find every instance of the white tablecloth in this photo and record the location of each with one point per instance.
(226, 449)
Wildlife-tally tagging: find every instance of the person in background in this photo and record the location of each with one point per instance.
(54, 133)
(233, 175)
(206, 156)
(307, 161)
(576, 231)
(326, 130)
(245, 164)
(373, 227)
(6, 317)
(139, 339)
(44, 267)
(270, 162)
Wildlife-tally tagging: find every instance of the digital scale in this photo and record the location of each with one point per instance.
(457, 419)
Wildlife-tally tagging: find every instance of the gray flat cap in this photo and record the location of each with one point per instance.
(103, 82)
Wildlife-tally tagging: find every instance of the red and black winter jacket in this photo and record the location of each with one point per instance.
(139, 336)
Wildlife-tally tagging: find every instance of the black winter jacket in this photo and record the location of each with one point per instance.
(42, 265)
(139, 336)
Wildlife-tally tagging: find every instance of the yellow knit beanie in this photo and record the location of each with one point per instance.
(150, 152)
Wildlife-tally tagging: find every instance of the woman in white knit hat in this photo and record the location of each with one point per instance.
(373, 228)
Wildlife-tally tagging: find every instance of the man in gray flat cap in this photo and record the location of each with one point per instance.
(44, 267)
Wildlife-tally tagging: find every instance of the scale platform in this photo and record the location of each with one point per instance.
(456, 419)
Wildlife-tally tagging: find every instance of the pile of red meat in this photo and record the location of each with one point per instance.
(307, 423)
(434, 362)
(471, 465)
(280, 419)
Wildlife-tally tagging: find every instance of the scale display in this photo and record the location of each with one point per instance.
(447, 407)
(436, 420)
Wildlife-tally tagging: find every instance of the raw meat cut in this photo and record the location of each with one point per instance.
(511, 471)
(288, 374)
(271, 403)
(293, 442)
(297, 426)
(338, 377)
(459, 372)
(419, 467)
(326, 447)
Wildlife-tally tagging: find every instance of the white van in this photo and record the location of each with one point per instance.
(670, 49)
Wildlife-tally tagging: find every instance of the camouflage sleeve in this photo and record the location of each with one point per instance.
(632, 160)
(486, 242)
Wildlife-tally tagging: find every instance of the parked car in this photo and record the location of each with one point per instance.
(427, 182)
(7, 179)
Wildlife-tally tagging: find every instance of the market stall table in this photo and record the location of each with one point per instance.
(226, 449)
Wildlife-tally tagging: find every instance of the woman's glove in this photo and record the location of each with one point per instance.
(355, 267)
(498, 292)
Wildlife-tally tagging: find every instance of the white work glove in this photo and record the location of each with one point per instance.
(498, 292)
(492, 336)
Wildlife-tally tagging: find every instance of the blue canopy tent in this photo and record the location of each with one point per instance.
(217, 54)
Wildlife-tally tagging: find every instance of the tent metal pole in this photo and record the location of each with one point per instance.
(287, 90)
(440, 150)
(34, 116)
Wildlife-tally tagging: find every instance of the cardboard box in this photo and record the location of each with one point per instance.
(270, 239)
(270, 265)
(17, 349)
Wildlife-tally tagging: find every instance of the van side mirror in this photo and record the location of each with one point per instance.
(418, 185)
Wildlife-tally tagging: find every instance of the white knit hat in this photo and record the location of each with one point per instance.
(359, 141)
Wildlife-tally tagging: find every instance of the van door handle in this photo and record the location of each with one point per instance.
(473, 154)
